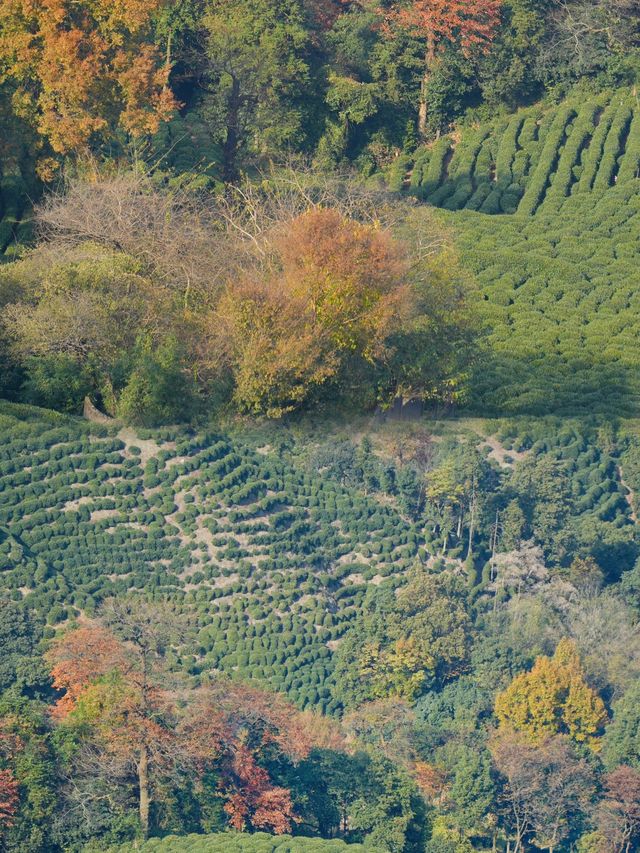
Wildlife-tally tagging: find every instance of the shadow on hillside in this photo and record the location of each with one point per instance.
(544, 384)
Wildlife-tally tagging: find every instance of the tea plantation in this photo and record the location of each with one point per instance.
(268, 551)
(234, 842)
(270, 561)
(535, 158)
(558, 269)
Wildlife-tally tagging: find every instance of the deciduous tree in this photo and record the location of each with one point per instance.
(553, 698)
(85, 69)
(406, 643)
(116, 690)
(467, 24)
(548, 788)
(618, 814)
(335, 290)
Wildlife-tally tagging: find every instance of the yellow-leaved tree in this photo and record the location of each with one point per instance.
(398, 671)
(553, 698)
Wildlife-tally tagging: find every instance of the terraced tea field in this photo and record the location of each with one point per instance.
(558, 269)
(534, 159)
(265, 551)
(266, 558)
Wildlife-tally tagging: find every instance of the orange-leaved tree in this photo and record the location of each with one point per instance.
(113, 698)
(235, 729)
(8, 797)
(336, 290)
(553, 698)
(467, 24)
(82, 69)
(137, 730)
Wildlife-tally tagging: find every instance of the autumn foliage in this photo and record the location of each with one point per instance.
(335, 289)
(553, 698)
(8, 797)
(81, 69)
(79, 658)
(468, 24)
(140, 727)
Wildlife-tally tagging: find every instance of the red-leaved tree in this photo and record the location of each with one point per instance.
(467, 24)
(235, 729)
(9, 795)
(138, 726)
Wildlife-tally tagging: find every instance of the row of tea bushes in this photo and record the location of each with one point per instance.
(236, 842)
(559, 296)
(538, 157)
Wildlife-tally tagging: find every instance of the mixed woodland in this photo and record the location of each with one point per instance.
(319, 426)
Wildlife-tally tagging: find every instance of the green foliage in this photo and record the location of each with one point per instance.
(540, 156)
(399, 647)
(159, 389)
(621, 742)
(34, 768)
(57, 382)
(21, 666)
(257, 77)
(237, 842)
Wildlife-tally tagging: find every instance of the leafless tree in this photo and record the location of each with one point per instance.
(583, 29)
(192, 242)
(547, 788)
(174, 233)
(618, 815)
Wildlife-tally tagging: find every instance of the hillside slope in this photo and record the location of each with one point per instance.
(534, 159)
(268, 543)
(545, 211)
(266, 557)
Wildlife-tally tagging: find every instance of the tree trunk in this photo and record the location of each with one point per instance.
(494, 546)
(472, 524)
(424, 87)
(143, 784)
(230, 151)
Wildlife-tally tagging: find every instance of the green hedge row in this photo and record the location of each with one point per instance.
(549, 157)
(540, 154)
(236, 842)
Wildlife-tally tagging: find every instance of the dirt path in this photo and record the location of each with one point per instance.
(500, 453)
(630, 495)
(148, 447)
